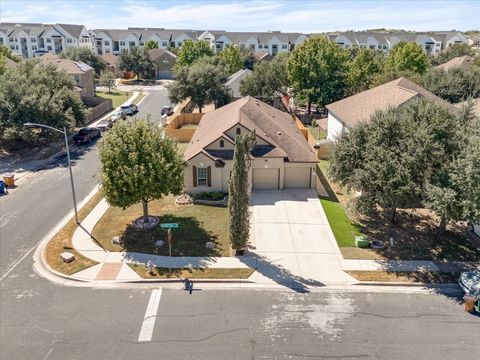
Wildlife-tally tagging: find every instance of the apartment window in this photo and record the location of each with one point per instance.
(12, 47)
(34, 47)
(179, 43)
(33, 40)
(141, 43)
(107, 51)
(202, 176)
(222, 143)
(1, 40)
(238, 131)
(107, 43)
(12, 39)
(49, 48)
(284, 46)
(252, 47)
(122, 43)
(385, 47)
(164, 43)
(372, 47)
(49, 40)
(265, 46)
(131, 44)
(260, 46)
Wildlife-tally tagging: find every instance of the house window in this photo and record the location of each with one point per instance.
(49, 40)
(252, 46)
(238, 131)
(69, 41)
(33, 39)
(76, 78)
(222, 143)
(284, 46)
(122, 43)
(107, 43)
(202, 176)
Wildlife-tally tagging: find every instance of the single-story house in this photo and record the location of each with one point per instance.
(348, 112)
(163, 61)
(457, 62)
(281, 158)
(235, 80)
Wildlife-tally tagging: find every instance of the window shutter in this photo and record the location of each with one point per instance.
(209, 176)
(194, 176)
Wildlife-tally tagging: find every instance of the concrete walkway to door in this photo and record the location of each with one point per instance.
(292, 239)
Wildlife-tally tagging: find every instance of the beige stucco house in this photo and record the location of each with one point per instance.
(281, 158)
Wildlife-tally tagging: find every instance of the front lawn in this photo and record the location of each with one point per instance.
(343, 229)
(118, 97)
(197, 225)
(195, 273)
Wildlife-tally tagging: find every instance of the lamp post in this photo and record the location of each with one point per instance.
(64, 132)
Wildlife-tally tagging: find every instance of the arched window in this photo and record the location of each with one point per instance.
(222, 143)
(238, 131)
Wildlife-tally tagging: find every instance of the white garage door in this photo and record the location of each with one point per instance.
(297, 177)
(265, 179)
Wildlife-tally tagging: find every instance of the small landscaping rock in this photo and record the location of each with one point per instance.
(184, 199)
(117, 240)
(67, 257)
(159, 243)
(210, 245)
(141, 225)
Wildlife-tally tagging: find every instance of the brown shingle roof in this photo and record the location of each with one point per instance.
(459, 61)
(70, 66)
(110, 59)
(156, 53)
(274, 126)
(360, 107)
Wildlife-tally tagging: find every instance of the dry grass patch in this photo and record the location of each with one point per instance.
(424, 277)
(194, 273)
(62, 242)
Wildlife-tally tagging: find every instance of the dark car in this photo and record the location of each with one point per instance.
(104, 125)
(86, 135)
(167, 110)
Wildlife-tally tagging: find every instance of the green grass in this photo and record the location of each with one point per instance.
(197, 225)
(314, 130)
(194, 273)
(343, 229)
(118, 97)
(182, 146)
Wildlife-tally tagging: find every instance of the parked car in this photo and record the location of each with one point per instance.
(469, 281)
(104, 125)
(167, 110)
(86, 135)
(129, 109)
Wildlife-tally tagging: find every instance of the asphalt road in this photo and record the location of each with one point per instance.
(152, 104)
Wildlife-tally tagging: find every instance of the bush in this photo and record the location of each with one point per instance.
(212, 195)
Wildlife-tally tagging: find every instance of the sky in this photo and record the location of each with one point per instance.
(255, 15)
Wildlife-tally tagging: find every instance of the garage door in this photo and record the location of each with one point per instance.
(265, 179)
(297, 177)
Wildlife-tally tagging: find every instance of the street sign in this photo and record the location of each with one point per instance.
(169, 225)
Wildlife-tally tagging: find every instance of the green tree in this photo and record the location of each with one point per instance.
(136, 60)
(238, 201)
(38, 93)
(139, 164)
(317, 71)
(192, 51)
(151, 44)
(454, 85)
(451, 52)
(85, 55)
(268, 79)
(362, 69)
(249, 59)
(7, 52)
(232, 58)
(107, 79)
(203, 82)
(407, 56)
(385, 77)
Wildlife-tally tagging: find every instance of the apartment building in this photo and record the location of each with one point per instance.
(32, 39)
(113, 41)
(272, 42)
(431, 43)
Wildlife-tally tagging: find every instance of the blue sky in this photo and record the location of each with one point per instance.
(255, 15)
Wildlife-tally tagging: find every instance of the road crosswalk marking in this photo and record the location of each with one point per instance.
(150, 316)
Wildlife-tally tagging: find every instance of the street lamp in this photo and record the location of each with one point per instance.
(64, 132)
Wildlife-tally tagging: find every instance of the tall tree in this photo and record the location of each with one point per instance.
(136, 60)
(107, 79)
(37, 93)
(268, 79)
(238, 201)
(151, 44)
(317, 71)
(192, 51)
(203, 82)
(85, 55)
(362, 69)
(388, 76)
(232, 58)
(139, 164)
(249, 59)
(407, 56)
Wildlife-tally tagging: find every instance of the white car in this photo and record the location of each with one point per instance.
(129, 109)
(469, 281)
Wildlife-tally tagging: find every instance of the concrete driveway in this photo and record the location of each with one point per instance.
(292, 239)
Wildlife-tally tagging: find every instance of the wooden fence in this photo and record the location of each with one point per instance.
(97, 106)
(174, 126)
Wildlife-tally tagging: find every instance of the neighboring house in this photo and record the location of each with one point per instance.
(346, 113)
(271, 42)
(457, 62)
(474, 40)
(111, 61)
(235, 80)
(163, 61)
(281, 158)
(81, 73)
(263, 55)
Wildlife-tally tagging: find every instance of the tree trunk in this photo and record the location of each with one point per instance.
(309, 107)
(442, 227)
(393, 215)
(200, 109)
(145, 211)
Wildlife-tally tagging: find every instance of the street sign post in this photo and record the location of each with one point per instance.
(169, 226)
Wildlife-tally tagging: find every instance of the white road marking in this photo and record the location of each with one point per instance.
(150, 316)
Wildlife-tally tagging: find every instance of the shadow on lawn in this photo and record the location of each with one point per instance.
(278, 273)
(189, 239)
